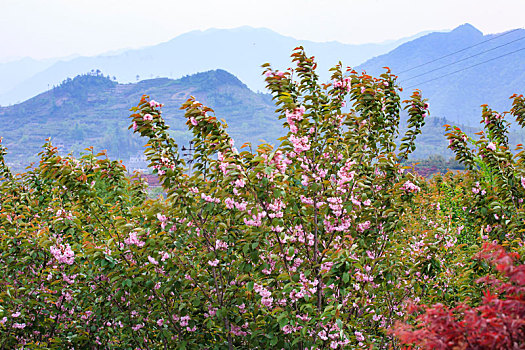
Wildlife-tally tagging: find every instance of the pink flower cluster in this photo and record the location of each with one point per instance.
(332, 332)
(133, 239)
(163, 220)
(221, 245)
(345, 84)
(63, 254)
(363, 226)
(300, 144)
(236, 330)
(266, 295)
(410, 187)
(256, 220)
(155, 104)
(276, 207)
(345, 174)
(280, 162)
(209, 198)
(273, 74)
(292, 117)
(297, 234)
(231, 203)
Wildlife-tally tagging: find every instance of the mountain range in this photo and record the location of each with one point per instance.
(91, 109)
(240, 51)
(458, 71)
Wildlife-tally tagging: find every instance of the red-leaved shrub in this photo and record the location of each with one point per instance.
(498, 323)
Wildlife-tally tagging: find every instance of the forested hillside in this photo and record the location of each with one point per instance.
(93, 110)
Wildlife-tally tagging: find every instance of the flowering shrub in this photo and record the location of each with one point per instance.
(491, 199)
(316, 243)
(495, 190)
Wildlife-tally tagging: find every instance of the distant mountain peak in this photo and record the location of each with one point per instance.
(215, 78)
(89, 79)
(467, 28)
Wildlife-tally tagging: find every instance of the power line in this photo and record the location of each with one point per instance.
(460, 70)
(461, 60)
(464, 49)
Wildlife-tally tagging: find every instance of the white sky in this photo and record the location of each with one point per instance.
(56, 28)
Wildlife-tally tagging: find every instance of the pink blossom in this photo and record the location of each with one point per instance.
(220, 245)
(147, 116)
(229, 202)
(300, 144)
(491, 146)
(287, 329)
(184, 320)
(152, 260)
(410, 187)
(242, 308)
(163, 219)
(363, 226)
(213, 262)
(63, 254)
(209, 198)
(137, 326)
(160, 322)
(19, 325)
(154, 104)
(523, 182)
(267, 301)
(296, 115)
(359, 336)
(132, 239)
(194, 121)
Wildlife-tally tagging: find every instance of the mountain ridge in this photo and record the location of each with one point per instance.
(93, 110)
(239, 50)
(430, 63)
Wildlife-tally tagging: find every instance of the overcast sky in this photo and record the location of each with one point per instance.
(58, 28)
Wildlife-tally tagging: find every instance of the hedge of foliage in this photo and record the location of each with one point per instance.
(322, 242)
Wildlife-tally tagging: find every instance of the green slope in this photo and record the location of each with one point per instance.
(93, 110)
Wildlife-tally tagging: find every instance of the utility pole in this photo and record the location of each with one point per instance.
(188, 155)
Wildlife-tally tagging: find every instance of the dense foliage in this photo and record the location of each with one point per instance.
(321, 242)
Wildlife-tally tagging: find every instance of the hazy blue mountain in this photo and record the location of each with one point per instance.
(457, 97)
(240, 51)
(15, 72)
